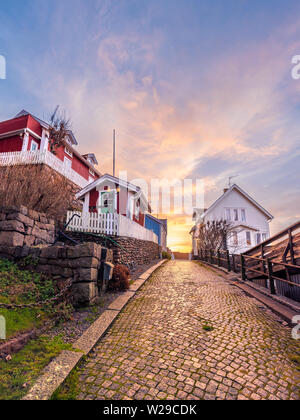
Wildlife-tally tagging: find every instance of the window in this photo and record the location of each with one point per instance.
(248, 238)
(243, 215)
(68, 152)
(137, 210)
(236, 215)
(34, 146)
(235, 240)
(258, 238)
(264, 237)
(228, 214)
(107, 202)
(92, 172)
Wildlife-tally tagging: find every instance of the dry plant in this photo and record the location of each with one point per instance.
(58, 130)
(214, 234)
(38, 188)
(120, 280)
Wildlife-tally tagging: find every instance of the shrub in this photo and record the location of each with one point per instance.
(120, 279)
(166, 256)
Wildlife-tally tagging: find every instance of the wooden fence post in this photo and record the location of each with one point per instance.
(291, 246)
(211, 256)
(233, 263)
(219, 260)
(244, 275)
(271, 280)
(228, 261)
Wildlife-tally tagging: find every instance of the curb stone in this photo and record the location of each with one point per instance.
(60, 368)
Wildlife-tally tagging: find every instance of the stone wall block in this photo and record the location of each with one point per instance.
(21, 218)
(12, 226)
(84, 293)
(11, 238)
(85, 275)
(85, 262)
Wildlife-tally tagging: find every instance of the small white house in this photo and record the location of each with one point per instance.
(249, 220)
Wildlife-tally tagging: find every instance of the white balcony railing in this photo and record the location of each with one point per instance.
(39, 157)
(109, 224)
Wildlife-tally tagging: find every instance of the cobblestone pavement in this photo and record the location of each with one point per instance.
(163, 346)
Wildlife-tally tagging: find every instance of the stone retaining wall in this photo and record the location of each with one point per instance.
(80, 263)
(136, 252)
(20, 226)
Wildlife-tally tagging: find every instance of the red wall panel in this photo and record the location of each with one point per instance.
(94, 196)
(11, 144)
(80, 167)
(34, 125)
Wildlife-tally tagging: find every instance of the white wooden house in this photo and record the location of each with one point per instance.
(248, 219)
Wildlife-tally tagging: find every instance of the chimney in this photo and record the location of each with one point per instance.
(225, 190)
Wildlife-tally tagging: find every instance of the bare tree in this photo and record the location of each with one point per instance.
(58, 130)
(214, 234)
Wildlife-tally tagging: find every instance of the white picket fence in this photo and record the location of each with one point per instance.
(109, 224)
(39, 157)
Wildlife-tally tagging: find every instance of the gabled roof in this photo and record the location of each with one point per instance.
(117, 181)
(45, 125)
(92, 157)
(243, 193)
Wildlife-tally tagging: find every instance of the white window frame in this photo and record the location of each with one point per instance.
(33, 142)
(258, 238)
(250, 236)
(68, 152)
(235, 238)
(113, 195)
(235, 215)
(243, 215)
(91, 172)
(137, 210)
(228, 213)
(264, 236)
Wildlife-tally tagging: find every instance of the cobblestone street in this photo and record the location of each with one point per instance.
(188, 334)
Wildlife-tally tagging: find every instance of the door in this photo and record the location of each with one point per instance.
(107, 202)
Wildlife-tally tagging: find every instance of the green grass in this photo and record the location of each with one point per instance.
(26, 366)
(70, 389)
(208, 328)
(22, 320)
(22, 287)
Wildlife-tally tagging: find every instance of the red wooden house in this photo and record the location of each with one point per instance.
(113, 206)
(25, 140)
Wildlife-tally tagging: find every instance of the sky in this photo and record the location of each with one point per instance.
(196, 89)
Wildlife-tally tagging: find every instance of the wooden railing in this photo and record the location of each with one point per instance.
(279, 277)
(108, 224)
(284, 246)
(40, 157)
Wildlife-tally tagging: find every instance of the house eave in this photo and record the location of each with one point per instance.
(247, 196)
(118, 181)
